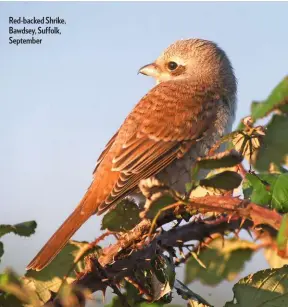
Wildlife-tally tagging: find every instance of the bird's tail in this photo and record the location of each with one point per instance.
(60, 238)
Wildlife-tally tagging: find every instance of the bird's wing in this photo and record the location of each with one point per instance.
(161, 128)
(105, 151)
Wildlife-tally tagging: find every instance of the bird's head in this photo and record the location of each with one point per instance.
(195, 59)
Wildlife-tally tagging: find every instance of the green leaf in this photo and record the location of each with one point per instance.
(124, 217)
(135, 300)
(51, 277)
(226, 180)
(25, 229)
(116, 302)
(267, 288)
(267, 189)
(220, 160)
(222, 262)
(275, 146)
(131, 294)
(9, 300)
(277, 99)
(282, 237)
(280, 193)
(259, 188)
(157, 204)
(15, 293)
(164, 270)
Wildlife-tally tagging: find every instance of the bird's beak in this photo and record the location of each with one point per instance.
(151, 70)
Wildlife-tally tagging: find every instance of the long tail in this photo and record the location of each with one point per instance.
(79, 216)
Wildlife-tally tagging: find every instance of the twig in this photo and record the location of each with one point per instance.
(125, 267)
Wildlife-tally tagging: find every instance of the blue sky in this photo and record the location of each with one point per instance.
(61, 101)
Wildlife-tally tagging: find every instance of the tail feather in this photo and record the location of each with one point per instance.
(60, 238)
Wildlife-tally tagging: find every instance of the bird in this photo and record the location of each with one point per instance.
(191, 106)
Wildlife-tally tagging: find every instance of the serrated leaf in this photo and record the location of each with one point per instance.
(275, 145)
(280, 193)
(122, 218)
(259, 188)
(267, 189)
(267, 288)
(158, 204)
(226, 180)
(157, 196)
(50, 278)
(220, 160)
(277, 99)
(25, 229)
(222, 262)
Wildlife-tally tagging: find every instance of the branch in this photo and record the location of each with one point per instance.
(138, 259)
(133, 250)
(237, 207)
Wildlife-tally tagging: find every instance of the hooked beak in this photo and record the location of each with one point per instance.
(149, 70)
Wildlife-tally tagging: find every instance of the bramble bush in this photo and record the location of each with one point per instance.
(246, 189)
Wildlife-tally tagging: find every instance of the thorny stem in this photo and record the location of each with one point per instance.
(116, 268)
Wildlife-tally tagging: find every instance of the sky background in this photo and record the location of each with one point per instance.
(61, 101)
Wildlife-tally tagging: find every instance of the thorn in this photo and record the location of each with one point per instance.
(195, 256)
(103, 295)
(250, 234)
(223, 240)
(200, 246)
(242, 222)
(236, 233)
(229, 218)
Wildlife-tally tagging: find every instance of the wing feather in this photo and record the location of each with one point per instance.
(105, 151)
(161, 128)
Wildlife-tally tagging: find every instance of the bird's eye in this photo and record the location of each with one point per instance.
(172, 65)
